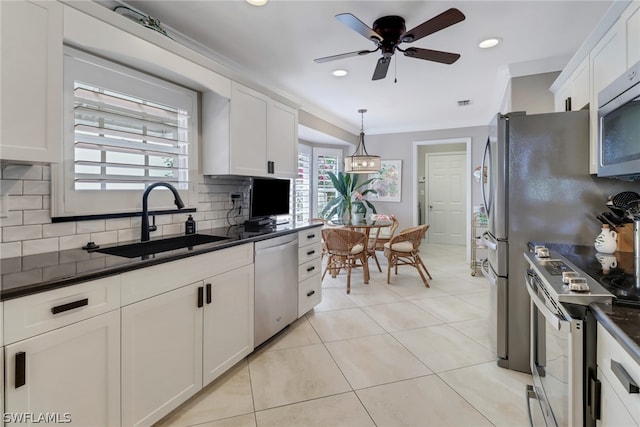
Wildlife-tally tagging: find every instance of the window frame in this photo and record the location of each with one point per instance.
(68, 202)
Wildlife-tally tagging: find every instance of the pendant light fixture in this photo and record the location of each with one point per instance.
(361, 161)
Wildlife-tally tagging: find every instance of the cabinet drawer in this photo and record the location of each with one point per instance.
(34, 314)
(309, 252)
(147, 282)
(309, 236)
(309, 294)
(308, 269)
(611, 357)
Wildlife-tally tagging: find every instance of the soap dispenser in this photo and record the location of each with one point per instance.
(190, 226)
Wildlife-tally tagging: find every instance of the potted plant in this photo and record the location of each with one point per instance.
(350, 197)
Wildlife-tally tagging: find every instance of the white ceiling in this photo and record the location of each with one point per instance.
(275, 45)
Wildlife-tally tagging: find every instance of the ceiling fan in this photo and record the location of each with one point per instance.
(389, 31)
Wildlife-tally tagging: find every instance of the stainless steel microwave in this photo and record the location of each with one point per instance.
(619, 127)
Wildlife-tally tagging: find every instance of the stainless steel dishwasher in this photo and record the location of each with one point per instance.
(276, 285)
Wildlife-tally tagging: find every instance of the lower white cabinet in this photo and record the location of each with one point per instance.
(70, 374)
(228, 321)
(175, 343)
(161, 354)
(309, 267)
(619, 375)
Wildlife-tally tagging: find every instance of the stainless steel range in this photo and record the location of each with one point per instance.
(560, 294)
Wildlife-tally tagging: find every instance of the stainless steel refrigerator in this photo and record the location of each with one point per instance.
(538, 189)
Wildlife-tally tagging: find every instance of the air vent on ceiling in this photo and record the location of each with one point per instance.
(464, 102)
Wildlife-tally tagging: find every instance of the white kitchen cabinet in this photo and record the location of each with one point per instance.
(31, 81)
(72, 372)
(161, 354)
(248, 135)
(576, 87)
(189, 331)
(228, 321)
(631, 19)
(616, 371)
(309, 268)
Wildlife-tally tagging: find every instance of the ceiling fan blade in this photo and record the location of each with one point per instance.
(381, 68)
(358, 26)
(432, 55)
(437, 23)
(344, 55)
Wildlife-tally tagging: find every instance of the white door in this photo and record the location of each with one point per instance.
(446, 198)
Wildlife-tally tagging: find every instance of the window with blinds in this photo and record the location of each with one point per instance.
(303, 187)
(126, 143)
(123, 131)
(325, 163)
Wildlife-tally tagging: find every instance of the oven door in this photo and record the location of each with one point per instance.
(556, 357)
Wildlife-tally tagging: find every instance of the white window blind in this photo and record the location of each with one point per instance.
(325, 161)
(123, 130)
(122, 142)
(303, 187)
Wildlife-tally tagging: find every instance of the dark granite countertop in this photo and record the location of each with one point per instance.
(31, 274)
(622, 321)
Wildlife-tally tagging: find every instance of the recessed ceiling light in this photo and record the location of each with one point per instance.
(491, 42)
(339, 72)
(257, 2)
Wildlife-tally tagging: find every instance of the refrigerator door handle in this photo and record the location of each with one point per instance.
(487, 151)
(487, 274)
(487, 241)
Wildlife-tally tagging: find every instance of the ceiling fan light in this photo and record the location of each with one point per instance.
(490, 42)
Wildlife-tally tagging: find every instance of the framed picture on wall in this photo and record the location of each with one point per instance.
(388, 181)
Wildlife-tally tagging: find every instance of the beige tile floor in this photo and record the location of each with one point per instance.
(385, 355)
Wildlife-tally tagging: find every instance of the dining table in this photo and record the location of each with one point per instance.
(371, 228)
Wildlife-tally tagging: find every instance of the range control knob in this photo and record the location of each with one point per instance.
(566, 275)
(578, 284)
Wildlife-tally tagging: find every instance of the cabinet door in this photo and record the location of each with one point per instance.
(608, 61)
(612, 411)
(580, 91)
(71, 372)
(283, 137)
(631, 16)
(31, 81)
(228, 321)
(248, 131)
(161, 354)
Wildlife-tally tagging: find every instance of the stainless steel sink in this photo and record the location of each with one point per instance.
(135, 250)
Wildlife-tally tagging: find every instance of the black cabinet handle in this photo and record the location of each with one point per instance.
(310, 269)
(200, 296)
(21, 369)
(310, 236)
(311, 252)
(310, 293)
(271, 167)
(625, 379)
(208, 293)
(594, 398)
(69, 306)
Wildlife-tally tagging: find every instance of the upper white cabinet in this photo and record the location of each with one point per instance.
(31, 81)
(631, 18)
(250, 135)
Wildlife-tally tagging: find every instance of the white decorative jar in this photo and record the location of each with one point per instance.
(606, 242)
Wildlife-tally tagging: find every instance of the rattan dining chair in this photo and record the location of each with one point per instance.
(404, 249)
(345, 248)
(383, 235)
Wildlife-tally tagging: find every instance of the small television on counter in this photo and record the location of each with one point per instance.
(269, 197)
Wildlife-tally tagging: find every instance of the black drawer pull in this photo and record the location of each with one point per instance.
(311, 252)
(21, 369)
(310, 269)
(623, 376)
(209, 293)
(69, 306)
(200, 296)
(310, 236)
(310, 293)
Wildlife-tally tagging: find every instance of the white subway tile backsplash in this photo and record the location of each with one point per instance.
(40, 246)
(36, 187)
(23, 203)
(28, 228)
(37, 217)
(95, 226)
(21, 232)
(10, 250)
(59, 229)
